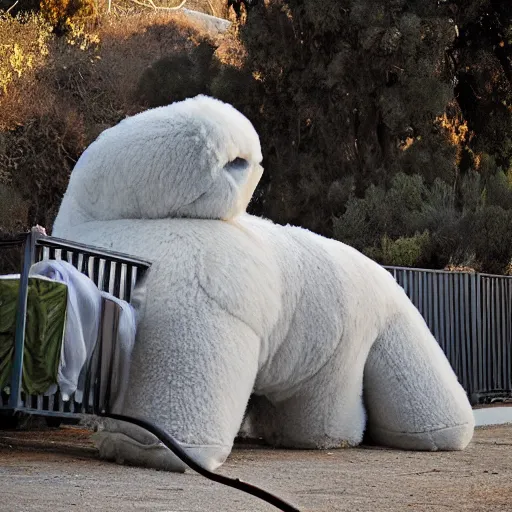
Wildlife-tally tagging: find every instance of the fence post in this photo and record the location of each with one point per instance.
(21, 318)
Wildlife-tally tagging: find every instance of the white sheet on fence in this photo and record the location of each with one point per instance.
(83, 316)
(126, 331)
(83, 319)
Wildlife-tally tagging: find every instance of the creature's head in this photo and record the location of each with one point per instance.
(197, 158)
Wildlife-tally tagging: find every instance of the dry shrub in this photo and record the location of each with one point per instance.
(63, 14)
(217, 8)
(24, 49)
(459, 268)
(14, 210)
(13, 219)
(63, 91)
(131, 45)
(40, 155)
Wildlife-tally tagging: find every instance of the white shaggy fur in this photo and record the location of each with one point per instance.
(238, 305)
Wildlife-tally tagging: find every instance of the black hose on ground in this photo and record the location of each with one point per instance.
(175, 447)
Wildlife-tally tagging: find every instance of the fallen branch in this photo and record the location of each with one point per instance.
(211, 7)
(12, 7)
(160, 8)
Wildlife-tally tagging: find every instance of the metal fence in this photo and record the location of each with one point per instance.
(470, 315)
(119, 274)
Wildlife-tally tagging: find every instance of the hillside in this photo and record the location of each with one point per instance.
(384, 124)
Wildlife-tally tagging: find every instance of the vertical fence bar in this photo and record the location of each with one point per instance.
(475, 342)
(431, 301)
(485, 336)
(508, 340)
(492, 355)
(21, 316)
(502, 335)
(419, 281)
(462, 330)
(128, 283)
(436, 305)
(442, 310)
(451, 323)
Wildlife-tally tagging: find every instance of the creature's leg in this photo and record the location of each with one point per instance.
(326, 412)
(192, 374)
(413, 398)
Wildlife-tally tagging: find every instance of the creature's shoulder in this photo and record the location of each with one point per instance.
(239, 269)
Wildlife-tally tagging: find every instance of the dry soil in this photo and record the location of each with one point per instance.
(59, 471)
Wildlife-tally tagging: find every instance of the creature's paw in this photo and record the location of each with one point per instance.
(123, 449)
(443, 438)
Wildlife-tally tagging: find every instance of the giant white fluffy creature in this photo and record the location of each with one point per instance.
(238, 305)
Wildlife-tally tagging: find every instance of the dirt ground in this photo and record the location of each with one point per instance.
(58, 471)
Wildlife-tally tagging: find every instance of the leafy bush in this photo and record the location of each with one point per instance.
(368, 115)
(405, 251)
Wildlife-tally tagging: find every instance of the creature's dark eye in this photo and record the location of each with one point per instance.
(237, 165)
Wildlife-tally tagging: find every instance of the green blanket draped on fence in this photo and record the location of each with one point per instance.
(44, 331)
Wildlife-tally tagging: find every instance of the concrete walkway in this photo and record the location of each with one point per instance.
(493, 416)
